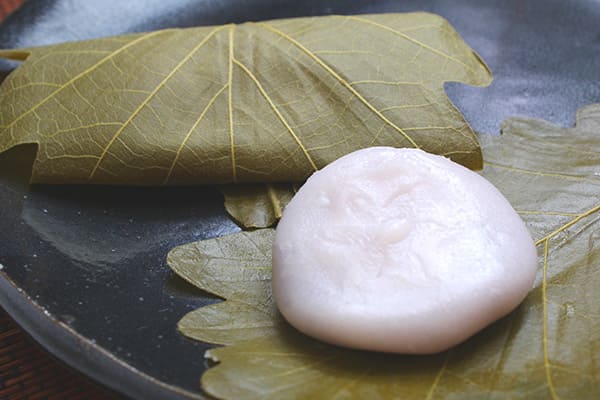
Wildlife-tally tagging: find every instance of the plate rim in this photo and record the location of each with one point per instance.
(82, 354)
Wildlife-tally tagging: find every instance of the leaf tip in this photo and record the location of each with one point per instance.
(15, 54)
(487, 77)
(211, 355)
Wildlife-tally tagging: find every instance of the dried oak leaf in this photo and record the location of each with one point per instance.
(547, 348)
(257, 205)
(256, 102)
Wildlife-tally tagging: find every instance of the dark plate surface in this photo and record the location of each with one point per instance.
(83, 268)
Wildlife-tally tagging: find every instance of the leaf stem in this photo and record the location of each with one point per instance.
(274, 201)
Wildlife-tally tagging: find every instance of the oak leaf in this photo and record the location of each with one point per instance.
(546, 348)
(257, 205)
(256, 102)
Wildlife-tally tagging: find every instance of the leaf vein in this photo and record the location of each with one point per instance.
(150, 97)
(436, 381)
(80, 75)
(545, 324)
(540, 173)
(277, 112)
(190, 131)
(410, 39)
(547, 213)
(568, 224)
(94, 125)
(341, 80)
(230, 105)
(380, 82)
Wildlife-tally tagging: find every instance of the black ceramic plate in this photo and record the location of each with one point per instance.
(83, 268)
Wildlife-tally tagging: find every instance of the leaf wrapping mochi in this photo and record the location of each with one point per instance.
(256, 102)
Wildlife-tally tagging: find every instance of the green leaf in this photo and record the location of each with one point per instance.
(548, 348)
(257, 205)
(256, 102)
(235, 267)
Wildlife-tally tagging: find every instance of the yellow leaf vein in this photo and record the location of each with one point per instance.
(340, 79)
(30, 84)
(568, 224)
(339, 393)
(150, 97)
(277, 112)
(545, 326)
(190, 131)
(230, 105)
(289, 386)
(407, 106)
(80, 75)
(70, 157)
(436, 381)
(430, 128)
(348, 52)
(547, 213)
(319, 361)
(506, 347)
(90, 126)
(541, 173)
(390, 83)
(410, 39)
(545, 240)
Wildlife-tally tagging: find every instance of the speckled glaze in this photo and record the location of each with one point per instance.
(74, 252)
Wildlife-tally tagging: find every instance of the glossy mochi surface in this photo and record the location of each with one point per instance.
(398, 250)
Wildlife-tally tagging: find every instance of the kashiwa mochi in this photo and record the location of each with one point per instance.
(399, 250)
